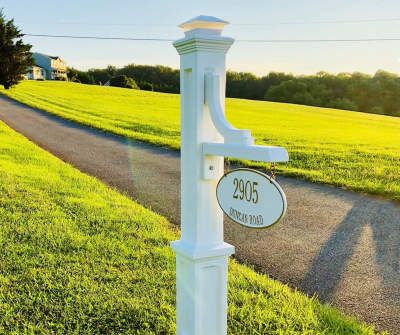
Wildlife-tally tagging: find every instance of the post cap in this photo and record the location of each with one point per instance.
(203, 33)
(204, 23)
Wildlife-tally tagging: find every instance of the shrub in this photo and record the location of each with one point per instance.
(342, 103)
(123, 81)
(146, 86)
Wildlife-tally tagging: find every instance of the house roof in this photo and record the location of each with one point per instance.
(52, 57)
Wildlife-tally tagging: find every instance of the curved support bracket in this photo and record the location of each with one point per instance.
(238, 143)
(212, 100)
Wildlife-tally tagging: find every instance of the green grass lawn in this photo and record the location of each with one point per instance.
(79, 258)
(355, 150)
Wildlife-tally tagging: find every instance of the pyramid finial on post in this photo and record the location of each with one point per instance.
(203, 25)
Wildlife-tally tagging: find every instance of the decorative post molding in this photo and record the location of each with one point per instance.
(201, 254)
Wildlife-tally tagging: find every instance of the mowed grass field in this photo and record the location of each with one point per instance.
(354, 150)
(79, 258)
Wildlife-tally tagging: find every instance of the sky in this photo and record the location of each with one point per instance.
(249, 19)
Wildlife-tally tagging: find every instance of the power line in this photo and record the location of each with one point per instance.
(368, 20)
(239, 40)
(101, 38)
(323, 40)
(318, 22)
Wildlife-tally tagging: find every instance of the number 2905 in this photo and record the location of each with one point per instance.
(245, 190)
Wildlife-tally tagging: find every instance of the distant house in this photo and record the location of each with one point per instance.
(36, 73)
(55, 68)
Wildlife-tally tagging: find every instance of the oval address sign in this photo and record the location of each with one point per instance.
(251, 198)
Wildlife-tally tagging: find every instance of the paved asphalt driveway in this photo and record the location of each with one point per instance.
(341, 245)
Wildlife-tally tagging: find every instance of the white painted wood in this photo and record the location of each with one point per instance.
(212, 99)
(250, 152)
(201, 254)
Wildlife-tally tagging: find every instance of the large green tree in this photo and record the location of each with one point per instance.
(15, 56)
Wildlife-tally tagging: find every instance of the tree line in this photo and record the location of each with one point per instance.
(151, 78)
(378, 93)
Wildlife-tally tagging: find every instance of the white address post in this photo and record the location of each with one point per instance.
(206, 137)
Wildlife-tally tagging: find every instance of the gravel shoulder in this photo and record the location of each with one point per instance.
(341, 245)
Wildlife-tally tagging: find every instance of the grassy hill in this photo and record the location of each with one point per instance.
(79, 258)
(349, 149)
